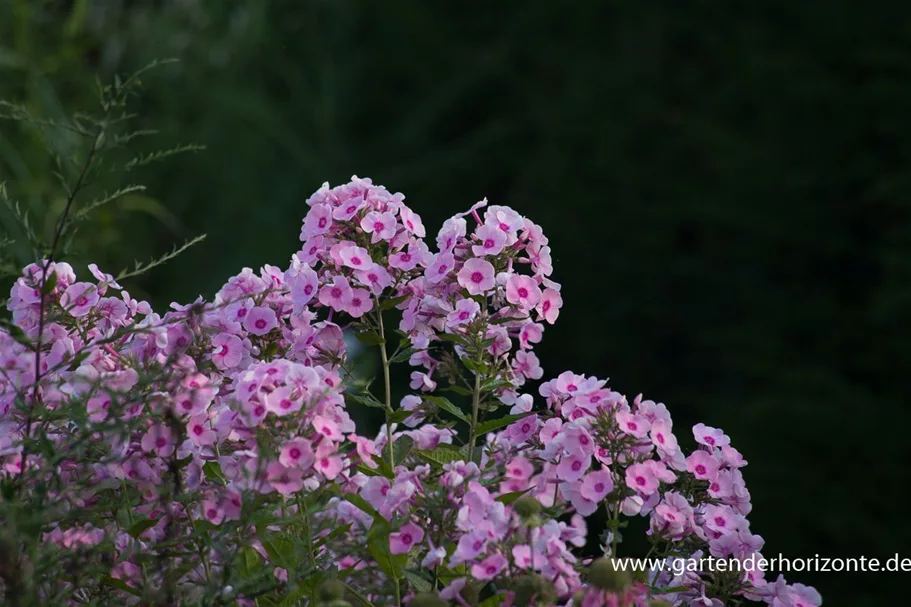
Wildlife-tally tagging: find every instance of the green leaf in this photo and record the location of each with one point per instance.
(441, 456)
(368, 471)
(16, 332)
(446, 405)
(120, 585)
(417, 581)
(370, 338)
(460, 390)
(378, 543)
(332, 534)
(366, 399)
(213, 472)
(388, 304)
(478, 368)
(495, 384)
(508, 498)
(496, 424)
(493, 601)
(50, 283)
(136, 529)
(280, 550)
(402, 355)
(383, 465)
(456, 339)
(361, 503)
(250, 562)
(400, 415)
(401, 448)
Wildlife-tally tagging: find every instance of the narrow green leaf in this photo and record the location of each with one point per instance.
(508, 498)
(402, 355)
(460, 390)
(366, 399)
(475, 366)
(446, 405)
(213, 472)
(120, 585)
(440, 456)
(137, 529)
(378, 543)
(50, 282)
(496, 424)
(388, 304)
(417, 581)
(401, 448)
(370, 338)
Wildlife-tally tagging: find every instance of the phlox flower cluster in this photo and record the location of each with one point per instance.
(209, 455)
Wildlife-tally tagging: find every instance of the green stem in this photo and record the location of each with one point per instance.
(388, 385)
(616, 531)
(475, 406)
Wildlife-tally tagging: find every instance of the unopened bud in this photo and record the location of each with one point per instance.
(330, 590)
(527, 507)
(604, 574)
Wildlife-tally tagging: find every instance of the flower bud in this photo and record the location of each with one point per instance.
(330, 590)
(604, 574)
(527, 507)
(427, 599)
(533, 590)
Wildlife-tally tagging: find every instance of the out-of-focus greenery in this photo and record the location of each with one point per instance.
(725, 185)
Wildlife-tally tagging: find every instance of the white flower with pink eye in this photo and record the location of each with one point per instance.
(477, 276)
(573, 465)
(327, 427)
(710, 437)
(465, 311)
(356, 258)
(296, 453)
(492, 240)
(412, 222)
(376, 278)
(282, 401)
(401, 541)
(160, 440)
(318, 221)
(596, 485)
(549, 306)
(303, 282)
(260, 320)
(80, 298)
(286, 481)
(523, 291)
(702, 465)
(634, 425)
(360, 303)
(490, 567)
(663, 438)
(227, 351)
(382, 226)
(440, 267)
(642, 479)
(199, 432)
(336, 295)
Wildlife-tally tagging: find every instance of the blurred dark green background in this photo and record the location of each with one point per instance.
(725, 186)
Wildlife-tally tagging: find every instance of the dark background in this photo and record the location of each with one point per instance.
(725, 187)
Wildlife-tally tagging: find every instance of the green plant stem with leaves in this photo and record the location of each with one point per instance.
(387, 384)
(387, 389)
(475, 410)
